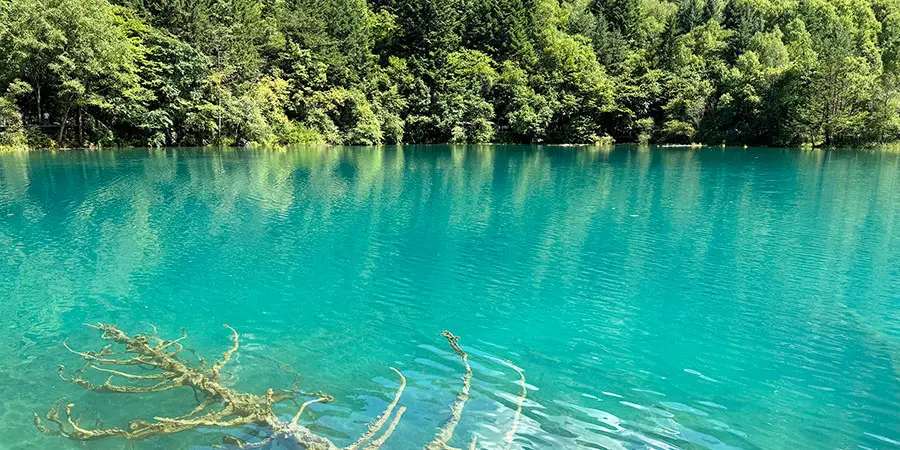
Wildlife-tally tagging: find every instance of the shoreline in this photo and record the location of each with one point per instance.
(885, 148)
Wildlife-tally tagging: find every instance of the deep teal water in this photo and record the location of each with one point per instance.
(653, 298)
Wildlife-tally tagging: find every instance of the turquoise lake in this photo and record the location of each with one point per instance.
(653, 298)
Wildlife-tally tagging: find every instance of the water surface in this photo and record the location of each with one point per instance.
(654, 298)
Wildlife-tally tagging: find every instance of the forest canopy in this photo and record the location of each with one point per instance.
(282, 72)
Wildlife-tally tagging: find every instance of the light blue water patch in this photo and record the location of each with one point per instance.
(653, 298)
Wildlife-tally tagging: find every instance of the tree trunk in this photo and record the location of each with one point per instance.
(80, 131)
(62, 126)
(40, 117)
(219, 68)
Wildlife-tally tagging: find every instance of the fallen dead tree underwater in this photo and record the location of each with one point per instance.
(221, 406)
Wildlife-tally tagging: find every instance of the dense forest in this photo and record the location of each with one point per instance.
(281, 72)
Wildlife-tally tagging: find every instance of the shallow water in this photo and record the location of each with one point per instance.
(653, 298)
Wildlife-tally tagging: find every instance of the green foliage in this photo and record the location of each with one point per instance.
(12, 130)
(462, 87)
(259, 72)
(523, 113)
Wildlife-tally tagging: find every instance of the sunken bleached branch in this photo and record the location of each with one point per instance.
(445, 433)
(219, 405)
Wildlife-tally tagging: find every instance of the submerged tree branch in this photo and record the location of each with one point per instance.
(221, 406)
(511, 434)
(445, 433)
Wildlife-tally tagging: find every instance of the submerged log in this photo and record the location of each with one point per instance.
(218, 405)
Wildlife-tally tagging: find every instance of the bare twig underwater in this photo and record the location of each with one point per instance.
(221, 406)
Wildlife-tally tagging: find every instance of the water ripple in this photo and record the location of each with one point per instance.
(653, 298)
